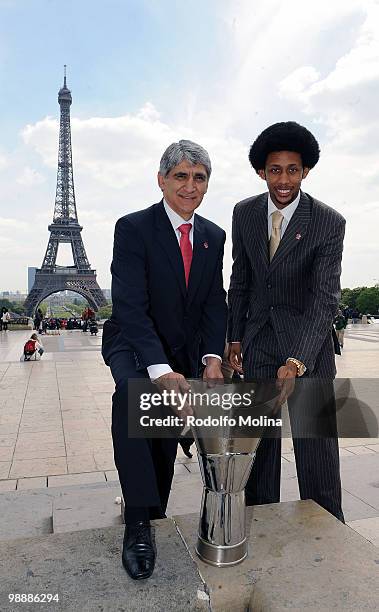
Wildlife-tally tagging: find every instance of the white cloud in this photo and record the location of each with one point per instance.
(361, 64)
(273, 40)
(3, 161)
(9, 223)
(45, 144)
(295, 85)
(344, 100)
(30, 177)
(19, 245)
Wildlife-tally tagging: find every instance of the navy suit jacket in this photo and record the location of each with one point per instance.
(154, 315)
(298, 291)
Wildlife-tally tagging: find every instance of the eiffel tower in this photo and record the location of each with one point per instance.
(51, 278)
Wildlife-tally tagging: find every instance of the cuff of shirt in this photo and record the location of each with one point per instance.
(204, 359)
(158, 369)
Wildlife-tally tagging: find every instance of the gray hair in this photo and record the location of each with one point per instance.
(184, 150)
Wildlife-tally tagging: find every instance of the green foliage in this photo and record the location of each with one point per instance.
(368, 300)
(16, 307)
(105, 312)
(43, 307)
(75, 306)
(6, 303)
(349, 296)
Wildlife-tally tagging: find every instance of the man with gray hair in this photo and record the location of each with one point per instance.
(168, 323)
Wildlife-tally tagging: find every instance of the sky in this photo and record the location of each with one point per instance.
(145, 73)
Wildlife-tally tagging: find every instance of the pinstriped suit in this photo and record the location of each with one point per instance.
(286, 309)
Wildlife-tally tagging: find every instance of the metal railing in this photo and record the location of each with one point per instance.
(68, 271)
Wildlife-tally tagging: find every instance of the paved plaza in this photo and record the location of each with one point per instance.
(55, 426)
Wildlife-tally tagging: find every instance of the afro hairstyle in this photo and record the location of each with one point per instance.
(284, 136)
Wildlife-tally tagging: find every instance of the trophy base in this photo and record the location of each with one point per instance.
(221, 556)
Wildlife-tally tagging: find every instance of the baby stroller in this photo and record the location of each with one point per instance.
(93, 327)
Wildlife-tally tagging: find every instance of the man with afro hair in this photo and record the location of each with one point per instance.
(283, 297)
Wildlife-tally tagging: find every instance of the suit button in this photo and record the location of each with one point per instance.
(269, 286)
(271, 308)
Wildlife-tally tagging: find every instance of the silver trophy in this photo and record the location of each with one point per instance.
(226, 452)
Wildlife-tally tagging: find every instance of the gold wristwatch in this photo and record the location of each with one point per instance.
(301, 369)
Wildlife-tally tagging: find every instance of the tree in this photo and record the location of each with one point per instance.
(6, 303)
(73, 307)
(17, 307)
(43, 307)
(368, 300)
(349, 296)
(105, 312)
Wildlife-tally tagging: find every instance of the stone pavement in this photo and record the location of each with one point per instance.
(55, 426)
(82, 570)
(300, 558)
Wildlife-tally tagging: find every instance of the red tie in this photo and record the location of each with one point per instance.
(186, 248)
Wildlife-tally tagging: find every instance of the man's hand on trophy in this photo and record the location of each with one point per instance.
(212, 374)
(235, 356)
(176, 384)
(285, 383)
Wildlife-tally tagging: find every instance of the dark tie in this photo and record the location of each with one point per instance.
(186, 248)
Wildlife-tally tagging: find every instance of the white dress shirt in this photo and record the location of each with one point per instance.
(287, 213)
(176, 221)
(159, 369)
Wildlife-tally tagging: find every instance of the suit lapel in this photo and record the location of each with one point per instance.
(169, 243)
(199, 257)
(295, 231)
(259, 228)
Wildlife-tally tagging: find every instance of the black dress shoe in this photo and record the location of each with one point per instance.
(138, 553)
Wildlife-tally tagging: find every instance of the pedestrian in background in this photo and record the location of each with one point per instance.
(33, 349)
(5, 318)
(340, 323)
(85, 319)
(38, 319)
(44, 325)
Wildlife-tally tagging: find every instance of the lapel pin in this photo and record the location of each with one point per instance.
(298, 236)
(205, 245)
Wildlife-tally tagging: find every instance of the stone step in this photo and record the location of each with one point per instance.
(43, 511)
(84, 569)
(25, 515)
(89, 509)
(300, 558)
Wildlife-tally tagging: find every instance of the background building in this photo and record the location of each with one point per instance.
(31, 277)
